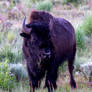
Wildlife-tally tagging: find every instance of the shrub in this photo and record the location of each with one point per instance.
(12, 4)
(7, 80)
(18, 56)
(77, 63)
(1, 36)
(62, 68)
(86, 69)
(5, 53)
(13, 57)
(87, 26)
(10, 37)
(19, 71)
(80, 41)
(33, 1)
(44, 5)
(72, 1)
(16, 1)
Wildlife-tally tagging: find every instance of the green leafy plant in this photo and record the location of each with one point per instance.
(44, 5)
(19, 71)
(87, 26)
(7, 80)
(5, 53)
(80, 41)
(12, 4)
(62, 68)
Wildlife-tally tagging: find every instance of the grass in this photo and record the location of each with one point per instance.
(80, 39)
(19, 71)
(10, 37)
(63, 85)
(15, 43)
(7, 80)
(44, 5)
(72, 1)
(6, 53)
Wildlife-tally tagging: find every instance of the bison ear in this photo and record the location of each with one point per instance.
(25, 35)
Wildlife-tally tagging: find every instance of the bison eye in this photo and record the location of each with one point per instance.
(25, 35)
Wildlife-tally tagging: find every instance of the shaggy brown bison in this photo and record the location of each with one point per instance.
(47, 42)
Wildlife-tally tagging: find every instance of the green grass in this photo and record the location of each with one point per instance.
(6, 53)
(80, 39)
(72, 1)
(10, 37)
(62, 82)
(44, 5)
(82, 86)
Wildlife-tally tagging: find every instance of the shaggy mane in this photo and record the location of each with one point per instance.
(40, 16)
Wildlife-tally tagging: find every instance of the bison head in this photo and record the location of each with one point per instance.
(36, 42)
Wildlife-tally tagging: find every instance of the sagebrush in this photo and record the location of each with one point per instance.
(44, 5)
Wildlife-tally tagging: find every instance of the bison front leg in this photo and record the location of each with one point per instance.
(51, 83)
(51, 78)
(32, 89)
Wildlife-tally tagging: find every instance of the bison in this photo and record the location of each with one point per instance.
(47, 42)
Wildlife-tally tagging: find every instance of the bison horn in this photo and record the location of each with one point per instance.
(25, 28)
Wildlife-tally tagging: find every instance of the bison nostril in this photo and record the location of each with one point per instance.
(48, 53)
(45, 54)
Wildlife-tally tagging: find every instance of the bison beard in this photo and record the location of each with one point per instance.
(47, 43)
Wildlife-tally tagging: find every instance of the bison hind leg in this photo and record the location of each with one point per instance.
(71, 68)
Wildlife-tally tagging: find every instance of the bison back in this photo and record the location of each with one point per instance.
(62, 36)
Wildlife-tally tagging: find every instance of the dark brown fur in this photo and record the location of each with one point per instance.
(56, 35)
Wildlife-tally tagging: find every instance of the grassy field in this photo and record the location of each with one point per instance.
(11, 16)
(63, 85)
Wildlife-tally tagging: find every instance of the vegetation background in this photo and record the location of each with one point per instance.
(13, 74)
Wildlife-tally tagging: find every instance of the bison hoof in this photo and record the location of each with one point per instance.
(35, 84)
(51, 84)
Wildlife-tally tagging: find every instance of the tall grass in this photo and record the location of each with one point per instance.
(80, 39)
(6, 53)
(13, 57)
(1, 36)
(10, 37)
